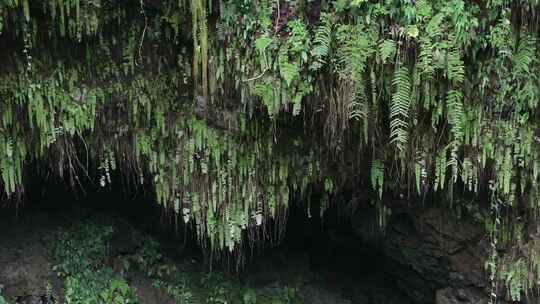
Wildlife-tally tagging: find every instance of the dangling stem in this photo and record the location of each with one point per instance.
(204, 51)
(200, 49)
(194, 22)
(143, 12)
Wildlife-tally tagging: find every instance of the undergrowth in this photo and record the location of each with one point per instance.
(92, 275)
(82, 255)
(2, 300)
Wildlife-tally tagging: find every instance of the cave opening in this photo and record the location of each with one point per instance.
(326, 259)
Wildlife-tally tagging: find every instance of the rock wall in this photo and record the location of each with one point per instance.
(434, 256)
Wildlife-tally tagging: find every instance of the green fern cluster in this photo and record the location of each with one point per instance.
(443, 94)
(399, 108)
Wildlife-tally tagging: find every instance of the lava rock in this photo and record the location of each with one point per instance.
(35, 300)
(430, 249)
(451, 295)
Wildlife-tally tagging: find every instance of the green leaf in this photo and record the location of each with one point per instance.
(377, 176)
(412, 31)
(387, 50)
(399, 108)
(288, 72)
(357, 3)
(328, 185)
(262, 43)
(26, 9)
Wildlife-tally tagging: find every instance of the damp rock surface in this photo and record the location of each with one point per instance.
(435, 255)
(451, 295)
(26, 258)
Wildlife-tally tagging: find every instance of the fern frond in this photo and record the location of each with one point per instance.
(357, 108)
(359, 50)
(261, 44)
(353, 51)
(387, 49)
(377, 176)
(420, 173)
(287, 70)
(425, 59)
(433, 28)
(441, 163)
(266, 92)
(524, 55)
(399, 108)
(455, 69)
(455, 114)
(322, 41)
(454, 161)
(423, 7)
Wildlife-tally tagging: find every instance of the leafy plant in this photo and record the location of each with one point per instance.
(118, 292)
(2, 300)
(249, 297)
(81, 252)
(218, 295)
(399, 108)
(443, 93)
(287, 295)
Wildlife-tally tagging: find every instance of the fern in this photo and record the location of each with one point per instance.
(454, 106)
(129, 55)
(423, 8)
(299, 41)
(26, 9)
(455, 69)
(420, 173)
(1, 19)
(469, 175)
(429, 43)
(505, 172)
(440, 170)
(261, 44)
(454, 161)
(399, 108)
(515, 275)
(524, 55)
(357, 109)
(377, 176)
(387, 50)
(433, 28)
(287, 70)
(266, 92)
(9, 169)
(354, 48)
(358, 49)
(322, 41)
(425, 59)
(455, 113)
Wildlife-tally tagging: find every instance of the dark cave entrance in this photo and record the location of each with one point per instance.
(343, 256)
(326, 255)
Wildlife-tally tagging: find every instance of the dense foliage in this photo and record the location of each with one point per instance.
(82, 254)
(401, 99)
(93, 274)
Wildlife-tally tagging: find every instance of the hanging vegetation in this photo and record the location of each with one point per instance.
(419, 99)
